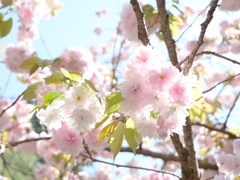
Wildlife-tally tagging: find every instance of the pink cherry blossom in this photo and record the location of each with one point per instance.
(230, 5)
(16, 55)
(236, 146)
(162, 79)
(69, 142)
(46, 171)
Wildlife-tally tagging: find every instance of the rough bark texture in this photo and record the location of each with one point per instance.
(200, 41)
(142, 30)
(165, 29)
(187, 172)
(188, 139)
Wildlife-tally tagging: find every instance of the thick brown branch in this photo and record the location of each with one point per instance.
(187, 173)
(142, 30)
(200, 41)
(231, 135)
(188, 139)
(165, 29)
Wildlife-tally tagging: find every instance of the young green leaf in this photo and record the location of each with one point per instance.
(29, 63)
(30, 91)
(113, 102)
(55, 78)
(33, 69)
(51, 97)
(5, 27)
(108, 130)
(132, 137)
(116, 140)
(101, 121)
(91, 85)
(44, 63)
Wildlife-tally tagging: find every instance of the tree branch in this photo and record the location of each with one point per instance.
(231, 135)
(191, 23)
(221, 83)
(132, 167)
(187, 173)
(200, 41)
(230, 111)
(165, 29)
(13, 103)
(29, 140)
(188, 139)
(218, 55)
(208, 53)
(142, 30)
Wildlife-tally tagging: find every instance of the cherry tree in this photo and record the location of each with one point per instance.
(160, 94)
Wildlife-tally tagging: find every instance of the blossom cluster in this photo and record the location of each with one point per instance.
(230, 163)
(156, 94)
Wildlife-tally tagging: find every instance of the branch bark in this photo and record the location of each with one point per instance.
(200, 41)
(165, 29)
(187, 172)
(188, 139)
(142, 30)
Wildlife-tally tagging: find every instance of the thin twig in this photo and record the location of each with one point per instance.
(218, 55)
(191, 23)
(208, 53)
(200, 41)
(142, 30)
(13, 103)
(231, 135)
(45, 44)
(165, 29)
(132, 167)
(29, 140)
(7, 83)
(230, 111)
(221, 83)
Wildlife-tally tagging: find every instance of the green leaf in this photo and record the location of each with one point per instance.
(174, 29)
(57, 158)
(113, 102)
(6, 3)
(30, 91)
(197, 112)
(5, 27)
(55, 78)
(56, 60)
(44, 63)
(33, 69)
(51, 97)
(104, 119)
(154, 115)
(149, 11)
(91, 85)
(116, 140)
(29, 63)
(65, 73)
(176, 20)
(133, 137)
(108, 130)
